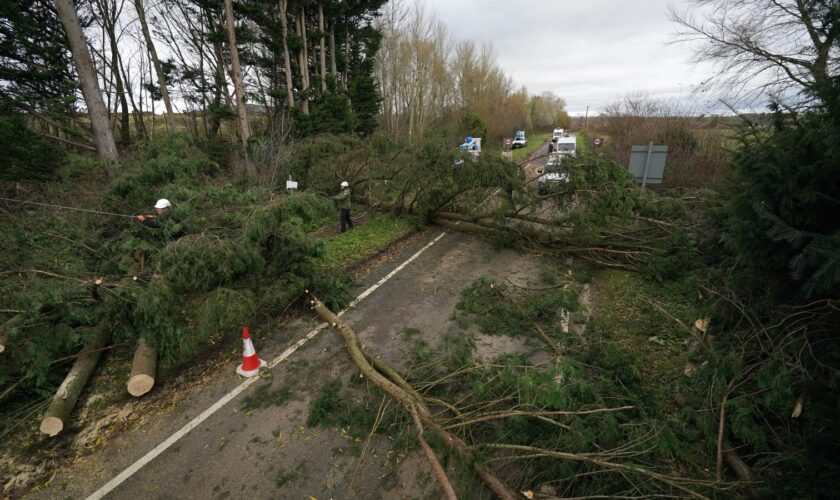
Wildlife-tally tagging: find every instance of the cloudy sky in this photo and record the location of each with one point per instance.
(590, 52)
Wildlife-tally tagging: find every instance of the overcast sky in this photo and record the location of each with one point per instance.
(589, 52)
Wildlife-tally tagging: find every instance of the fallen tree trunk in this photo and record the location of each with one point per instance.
(409, 398)
(466, 227)
(12, 322)
(68, 393)
(143, 368)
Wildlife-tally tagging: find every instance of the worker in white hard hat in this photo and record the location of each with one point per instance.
(342, 200)
(162, 208)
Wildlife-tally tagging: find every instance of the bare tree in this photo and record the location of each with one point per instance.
(780, 47)
(150, 46)
(102, 134)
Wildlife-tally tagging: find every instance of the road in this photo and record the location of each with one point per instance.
(269, 452)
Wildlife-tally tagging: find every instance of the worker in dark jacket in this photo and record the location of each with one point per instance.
(342, 200)
(161, 219)
(162, 208)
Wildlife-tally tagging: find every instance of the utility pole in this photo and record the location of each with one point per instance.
(585, 118)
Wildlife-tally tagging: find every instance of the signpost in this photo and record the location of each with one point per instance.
(597, 142)
(506, 152)
(647, 163)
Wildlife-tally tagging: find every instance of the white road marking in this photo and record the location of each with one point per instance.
(192, 424)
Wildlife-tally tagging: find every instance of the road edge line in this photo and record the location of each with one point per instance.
(227, 398)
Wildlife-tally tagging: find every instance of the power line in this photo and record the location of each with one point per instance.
(67, 208)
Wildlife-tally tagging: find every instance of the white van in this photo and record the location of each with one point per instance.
(566, 146)
(558, 133)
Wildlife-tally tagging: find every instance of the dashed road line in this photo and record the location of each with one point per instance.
(227, 398)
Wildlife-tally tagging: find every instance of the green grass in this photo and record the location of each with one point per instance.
(342, 251)
(626, 312)
(534, 142)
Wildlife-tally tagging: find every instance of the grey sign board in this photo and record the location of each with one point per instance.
(647, 163)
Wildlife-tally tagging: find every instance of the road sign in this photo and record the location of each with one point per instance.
(597, 141)
(647, 163)
(508, 142)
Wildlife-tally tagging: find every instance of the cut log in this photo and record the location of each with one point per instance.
(13, 322)
(143, 369)
(68, 393)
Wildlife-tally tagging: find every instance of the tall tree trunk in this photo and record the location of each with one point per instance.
(303, 62)
(287, 61)
(236, 74)
(102, 134)
(333, 69)
(150, 46)
(346, 56)
(323, 48)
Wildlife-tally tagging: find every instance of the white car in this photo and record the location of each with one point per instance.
(552, 175)
(519, 142)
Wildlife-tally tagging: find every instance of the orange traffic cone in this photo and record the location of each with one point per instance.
(251, 364)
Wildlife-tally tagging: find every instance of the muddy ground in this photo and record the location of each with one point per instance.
(258, 445)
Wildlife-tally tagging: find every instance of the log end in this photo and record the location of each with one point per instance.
(140, 384)
(51, 426)
(2, 348)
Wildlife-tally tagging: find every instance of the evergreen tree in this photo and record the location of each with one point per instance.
(36, 80)
(782, 218)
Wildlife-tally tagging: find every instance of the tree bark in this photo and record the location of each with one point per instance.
(333, 69)
(150, 46)
(102, 133)
(68, 393)
(287, 60)
(143, 369)
(323, 48)
(236, 73)
(303, 62)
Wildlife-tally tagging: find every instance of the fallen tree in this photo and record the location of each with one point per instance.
(444, 423)
(410, 400)
(68, 393)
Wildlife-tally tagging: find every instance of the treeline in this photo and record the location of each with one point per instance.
(432, 82)
(202, 62)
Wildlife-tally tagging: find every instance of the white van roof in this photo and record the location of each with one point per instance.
(567, 140)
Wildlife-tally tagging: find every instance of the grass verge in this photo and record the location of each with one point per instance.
(534, 143)
(343, 251)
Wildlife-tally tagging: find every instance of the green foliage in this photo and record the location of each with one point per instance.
(169, 158)
(203, 262)
(473, 125)
(779, 258)
(329, 114)
(26, 154)
(336, 407)
(364, 241)
(499, 310)
(779, 220)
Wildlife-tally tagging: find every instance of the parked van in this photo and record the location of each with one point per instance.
(558, 133)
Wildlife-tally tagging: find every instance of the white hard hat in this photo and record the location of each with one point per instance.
(345, 184)
(163, 203)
